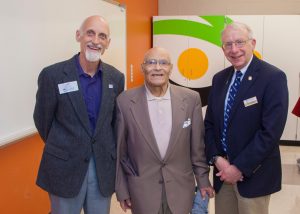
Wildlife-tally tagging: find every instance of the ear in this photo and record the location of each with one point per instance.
(108, 42)
(223, 49)
(253, 43)
(142, 68)
(78, 35)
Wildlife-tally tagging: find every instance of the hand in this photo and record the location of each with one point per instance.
(230, 174)
(221, 163)
(207, 191)
(126, 204)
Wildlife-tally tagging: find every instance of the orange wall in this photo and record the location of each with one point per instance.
(139, 35)
(19, 162)
(18, 167)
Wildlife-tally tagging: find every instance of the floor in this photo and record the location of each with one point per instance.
(287, 201)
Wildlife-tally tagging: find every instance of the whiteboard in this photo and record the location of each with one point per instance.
(35, 34)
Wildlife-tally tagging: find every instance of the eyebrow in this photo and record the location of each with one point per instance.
(94, 32)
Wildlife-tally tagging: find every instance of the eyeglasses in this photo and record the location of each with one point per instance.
(237, 43)
(153, 62)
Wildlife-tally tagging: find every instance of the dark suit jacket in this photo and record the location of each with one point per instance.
(63, 123)
(254, 131)
(141, 172)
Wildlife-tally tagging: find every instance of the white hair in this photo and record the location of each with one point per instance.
(239, 26)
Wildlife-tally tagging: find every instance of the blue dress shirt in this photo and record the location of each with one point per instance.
(91, 91)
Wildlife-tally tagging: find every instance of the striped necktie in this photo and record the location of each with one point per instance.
(230, 100)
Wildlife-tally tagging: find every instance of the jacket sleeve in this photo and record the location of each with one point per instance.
(210, 127)
(120, 84)
(122, 192)
(201, 169)
(46, 101)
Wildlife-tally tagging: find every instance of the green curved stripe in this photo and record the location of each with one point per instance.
(210, 33)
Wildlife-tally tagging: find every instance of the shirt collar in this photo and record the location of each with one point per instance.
(244, 69)
(151, 97)
(81, 71)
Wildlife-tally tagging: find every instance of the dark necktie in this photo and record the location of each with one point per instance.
(232, 93)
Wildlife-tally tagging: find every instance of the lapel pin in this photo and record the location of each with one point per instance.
(250, 78)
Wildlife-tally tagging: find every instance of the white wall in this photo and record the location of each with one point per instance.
(35, 34)
(278, 43)
(233, 7)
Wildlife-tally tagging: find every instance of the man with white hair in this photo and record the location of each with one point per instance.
(245, 118)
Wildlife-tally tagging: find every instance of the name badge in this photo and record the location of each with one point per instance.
(67, 87)
(251, 101)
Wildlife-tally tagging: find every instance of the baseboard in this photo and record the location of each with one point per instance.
(289, 142)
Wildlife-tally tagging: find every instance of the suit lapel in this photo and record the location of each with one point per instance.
(140, 112)
(77, 101)
(106, 97)
(248, 80)
(178, 117)
(223, 92)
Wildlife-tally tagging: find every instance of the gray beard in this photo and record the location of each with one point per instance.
(92, 56)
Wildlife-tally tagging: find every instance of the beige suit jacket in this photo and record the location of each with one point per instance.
(141, 172)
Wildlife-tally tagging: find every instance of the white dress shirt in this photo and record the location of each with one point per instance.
(160, 112)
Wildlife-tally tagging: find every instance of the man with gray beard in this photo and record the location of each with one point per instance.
(74, 115)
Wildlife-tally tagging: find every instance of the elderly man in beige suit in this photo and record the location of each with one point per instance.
(160, 143)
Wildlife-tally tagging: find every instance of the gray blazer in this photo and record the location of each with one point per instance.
(63, 123)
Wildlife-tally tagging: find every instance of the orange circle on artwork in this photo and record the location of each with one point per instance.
(257, 54)
(192, 63)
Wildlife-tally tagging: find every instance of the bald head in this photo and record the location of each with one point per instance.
(157, 68)
(157, 51)
(94, 39)
(96, 19)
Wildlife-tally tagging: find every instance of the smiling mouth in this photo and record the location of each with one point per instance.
(94, 48)
(236, 57)
(157, 75)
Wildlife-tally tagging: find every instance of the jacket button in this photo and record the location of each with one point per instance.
(161, 181)
(86, 160)
(93, 141)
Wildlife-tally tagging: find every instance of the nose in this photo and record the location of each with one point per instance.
(157, 66)
(234, 48)
(96, 40)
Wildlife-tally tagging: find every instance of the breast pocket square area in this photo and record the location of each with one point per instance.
(187, 123)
